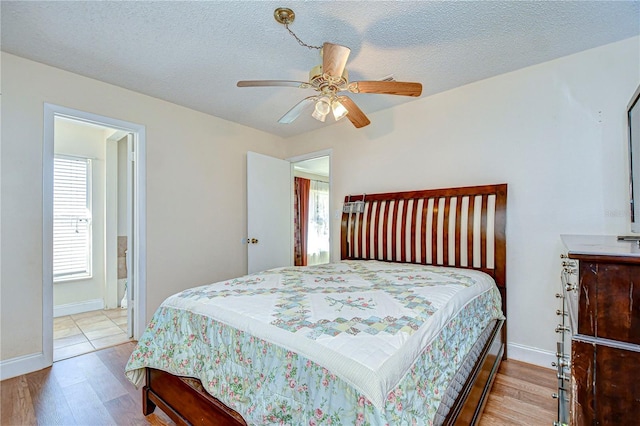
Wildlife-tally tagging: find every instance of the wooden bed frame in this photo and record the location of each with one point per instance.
(460, 227)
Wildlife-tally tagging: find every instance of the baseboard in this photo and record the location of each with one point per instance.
(22, 365)
(78, 308)
(530, 355)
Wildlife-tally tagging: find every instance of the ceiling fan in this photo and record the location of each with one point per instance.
(330, 79)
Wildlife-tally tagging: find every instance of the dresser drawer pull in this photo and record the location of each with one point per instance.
(562, 363)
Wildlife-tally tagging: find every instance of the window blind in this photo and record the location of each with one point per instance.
(71, 218)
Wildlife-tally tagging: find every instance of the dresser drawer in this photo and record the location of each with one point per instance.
(609, 296)
(613, 397)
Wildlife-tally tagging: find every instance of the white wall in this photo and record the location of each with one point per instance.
(196, 190)
(555, 132)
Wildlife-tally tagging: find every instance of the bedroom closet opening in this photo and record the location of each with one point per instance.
(311, 215)
(91, 214)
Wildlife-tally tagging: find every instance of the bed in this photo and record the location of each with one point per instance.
(408, 328)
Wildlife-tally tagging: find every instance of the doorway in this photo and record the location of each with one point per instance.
(90, 233)
(93, 258)
(312, 215)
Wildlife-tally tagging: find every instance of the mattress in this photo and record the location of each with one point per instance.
(354, 342)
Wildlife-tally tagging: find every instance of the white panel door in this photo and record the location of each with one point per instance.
(269, 212)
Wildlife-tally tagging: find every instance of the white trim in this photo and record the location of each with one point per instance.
(111, 224)
(530, 355)
(22, 365)
(51, 111)
(140, 233)
(47, 238)
(311, 156)
(78, 307)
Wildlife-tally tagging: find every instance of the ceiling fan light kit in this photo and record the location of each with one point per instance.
(339, 111)
(330, 78)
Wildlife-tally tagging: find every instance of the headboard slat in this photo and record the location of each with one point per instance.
(483, 232)
(402, 228)
(458, 235)
(394, 224)
(385, 221)
(470, 225)
(423, 232)
(361, 236)
(445, 232)
(435, 214)
(373, 254)
(414, 218)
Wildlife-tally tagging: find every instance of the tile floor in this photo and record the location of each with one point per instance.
(86, 332)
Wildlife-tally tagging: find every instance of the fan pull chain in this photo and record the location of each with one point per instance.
(302, 43)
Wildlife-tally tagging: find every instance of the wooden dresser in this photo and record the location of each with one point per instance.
(605, 341)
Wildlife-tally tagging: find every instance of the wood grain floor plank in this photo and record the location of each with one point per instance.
(86, 406)
(17, 404)
(534, 374)
(522, 390)
(521, 395)
(115, 358)
(101, 378)
(49, 403)
(125, 410)
(66, 372)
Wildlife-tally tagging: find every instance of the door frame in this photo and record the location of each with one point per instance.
(311, 156)
(52, 111)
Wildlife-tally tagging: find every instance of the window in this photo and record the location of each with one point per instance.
(71, 218)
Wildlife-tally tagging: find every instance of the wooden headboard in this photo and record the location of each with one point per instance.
(459, 227)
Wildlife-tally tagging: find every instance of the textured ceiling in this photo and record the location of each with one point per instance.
(193, 52)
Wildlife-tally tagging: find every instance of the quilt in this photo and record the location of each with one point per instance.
(353, 342)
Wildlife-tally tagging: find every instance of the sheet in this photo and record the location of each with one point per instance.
(354, 342)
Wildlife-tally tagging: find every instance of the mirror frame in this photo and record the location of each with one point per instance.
(633, 121)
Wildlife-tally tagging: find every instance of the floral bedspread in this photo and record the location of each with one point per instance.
(355, 342)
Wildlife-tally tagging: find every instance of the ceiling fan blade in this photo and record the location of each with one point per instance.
(297, 109)
(355, 115)
(270, 83)
(386, 87)
(334, 59)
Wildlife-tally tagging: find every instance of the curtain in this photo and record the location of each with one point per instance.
(300, 220)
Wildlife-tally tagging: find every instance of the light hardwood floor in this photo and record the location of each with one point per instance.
(91, 389)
